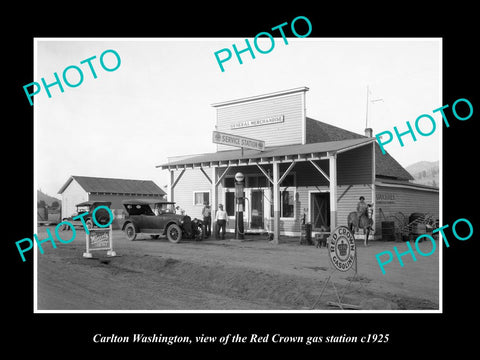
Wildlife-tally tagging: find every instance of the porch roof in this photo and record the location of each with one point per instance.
(288, 153)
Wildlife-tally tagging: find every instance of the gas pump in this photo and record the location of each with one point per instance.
(239, 205)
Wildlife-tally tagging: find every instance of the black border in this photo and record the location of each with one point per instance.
(49, 331)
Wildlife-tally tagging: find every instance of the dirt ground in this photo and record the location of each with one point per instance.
(228, 274)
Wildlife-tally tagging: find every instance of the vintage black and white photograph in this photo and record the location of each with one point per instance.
(284, 174)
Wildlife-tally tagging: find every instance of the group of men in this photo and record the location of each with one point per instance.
(221, 219)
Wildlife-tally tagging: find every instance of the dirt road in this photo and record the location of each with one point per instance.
(253, 274)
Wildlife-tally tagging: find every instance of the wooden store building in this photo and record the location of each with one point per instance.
(307, 170)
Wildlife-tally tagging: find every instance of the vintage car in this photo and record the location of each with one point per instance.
(101, 215)
(158, 218)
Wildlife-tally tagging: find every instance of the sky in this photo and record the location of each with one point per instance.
(157, 103)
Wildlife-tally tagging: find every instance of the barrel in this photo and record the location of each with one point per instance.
(388, 230)
(306, 234)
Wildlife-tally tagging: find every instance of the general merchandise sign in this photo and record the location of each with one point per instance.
(259, 122)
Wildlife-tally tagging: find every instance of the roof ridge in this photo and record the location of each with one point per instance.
(113, 185)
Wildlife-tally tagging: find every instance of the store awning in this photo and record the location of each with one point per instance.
(289, 153)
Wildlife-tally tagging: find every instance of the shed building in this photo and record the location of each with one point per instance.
(78, 189)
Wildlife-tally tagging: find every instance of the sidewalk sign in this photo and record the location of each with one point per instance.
(343, 256)
(99, 239)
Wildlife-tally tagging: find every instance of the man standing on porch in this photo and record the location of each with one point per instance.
(222, 220)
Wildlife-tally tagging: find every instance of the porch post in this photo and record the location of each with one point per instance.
(333, 190)
(171, 185)
(213, 202)
(276, 203)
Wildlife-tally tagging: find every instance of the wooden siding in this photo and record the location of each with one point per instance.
(290, 131)
(192, 180)
(348, 198)
(355, 166)
(397, 204)
(71, 196)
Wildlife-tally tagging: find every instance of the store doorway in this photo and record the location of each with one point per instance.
(256, 211)
(320, 210)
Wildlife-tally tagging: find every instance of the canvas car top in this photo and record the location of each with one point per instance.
(89, 203)
(146, 202)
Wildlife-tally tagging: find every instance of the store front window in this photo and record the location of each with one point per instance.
(201, 197)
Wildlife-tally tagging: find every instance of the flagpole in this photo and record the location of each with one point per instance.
(366, 116)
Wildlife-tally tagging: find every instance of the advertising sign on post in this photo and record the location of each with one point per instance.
(343, 256)
(99, 239)
(341, 248)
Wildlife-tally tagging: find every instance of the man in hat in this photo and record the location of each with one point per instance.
(361, 207)
(207, 219)
(222, 220)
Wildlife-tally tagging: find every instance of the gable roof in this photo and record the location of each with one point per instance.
(118, 186)
(385, 165)
(317, 131)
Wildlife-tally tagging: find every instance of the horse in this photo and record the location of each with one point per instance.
(365, 222)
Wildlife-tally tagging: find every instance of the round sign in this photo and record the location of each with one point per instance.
(341, 248)
(239, 176)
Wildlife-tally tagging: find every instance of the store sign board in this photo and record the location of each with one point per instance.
(99, 239)
(238, 141)
(249, 123)
(342, 248)
(385, 197)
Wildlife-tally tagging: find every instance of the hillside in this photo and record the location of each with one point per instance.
(425, 172)
(47, 198)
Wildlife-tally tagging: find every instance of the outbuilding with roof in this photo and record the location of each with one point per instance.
(78, 189)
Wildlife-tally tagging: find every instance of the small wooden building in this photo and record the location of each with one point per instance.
(78, 189)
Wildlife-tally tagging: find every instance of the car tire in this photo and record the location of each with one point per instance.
(174, 233)
(201, 233)
(130, 232)
(64, 226)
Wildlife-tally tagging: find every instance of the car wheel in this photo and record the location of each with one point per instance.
(174, 233)
(130, 232)
(201, 233)
(64, 226)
